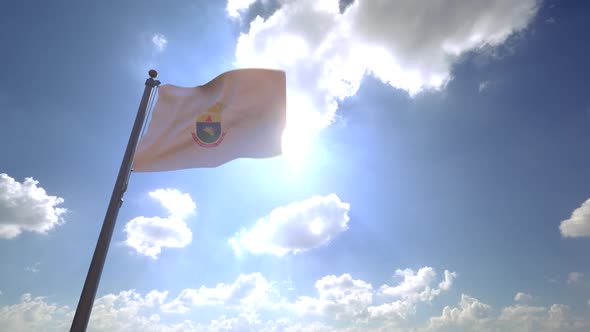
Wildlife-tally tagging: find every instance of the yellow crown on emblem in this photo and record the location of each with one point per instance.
(212, 114)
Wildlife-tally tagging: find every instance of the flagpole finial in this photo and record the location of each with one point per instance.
(153, 73)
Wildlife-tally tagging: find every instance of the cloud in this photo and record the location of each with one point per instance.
(27, 207)
(346, 299)
(295, 228)
(407, 44)
(148, 235)
(159, 41)
(179, 205)
(31, 314)
(415, 287)
(33, 268)
(522, 297)
(578, 224)
(527, 318)
(250, 303)
(339, 297)
(127, 311)
(484, 85)
(155, 297)
(473, 315)
(234, 7)
(469, 312)
(574, 277)
(247, 292)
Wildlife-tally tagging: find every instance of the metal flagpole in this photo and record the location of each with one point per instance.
(86, 301)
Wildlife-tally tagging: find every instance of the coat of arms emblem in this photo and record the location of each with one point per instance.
(208, 133)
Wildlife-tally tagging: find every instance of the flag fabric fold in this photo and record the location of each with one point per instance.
(239, 114)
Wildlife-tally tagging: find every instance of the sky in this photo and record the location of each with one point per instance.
(434, 175)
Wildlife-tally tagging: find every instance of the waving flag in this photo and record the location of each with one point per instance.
(240, 113)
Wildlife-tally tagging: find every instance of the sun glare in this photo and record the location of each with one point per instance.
(303, 125)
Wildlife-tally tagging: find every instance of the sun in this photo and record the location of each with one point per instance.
(303, 125)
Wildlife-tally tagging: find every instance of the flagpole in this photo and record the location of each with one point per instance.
(86, 301)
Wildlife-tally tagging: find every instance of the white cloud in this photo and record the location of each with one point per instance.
(148, 235)
(574, 277)
(247, 292)
(339, 297)
(523, 297)
(179, 205)
(33, 268)
(528, 318)
(412, 282)
(31, 314)
(296, 227)
(470, 312)
(473, 315)
(344, 304)
(578, 224)
(415, 287)
(346, 299)
(234, 7)
(410, 45)
(484, 85)
(126, 311)
(155, 298)
(27, 207)
(159, 41)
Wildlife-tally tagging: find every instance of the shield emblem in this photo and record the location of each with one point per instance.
(208, 132)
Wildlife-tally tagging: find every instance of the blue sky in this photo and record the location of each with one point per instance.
(442, 148)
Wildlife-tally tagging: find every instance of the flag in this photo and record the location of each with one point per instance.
(240, 113)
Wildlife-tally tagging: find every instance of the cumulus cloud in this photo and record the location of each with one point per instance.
(415, 287)
(179, 205)
(574, 277)
(31, 314)
(159, 41)
(418, 285)
(410, 45)
(127, 311)
(33, 268)
(148, 235)
(484, 85)
(296, 227)
(234, 7)
(247, 292)
(578, 224)
(346, 299)
(25, 207)
(473, 315)
(523, 297)
(469, 312)
(343, 304)
(339, 297)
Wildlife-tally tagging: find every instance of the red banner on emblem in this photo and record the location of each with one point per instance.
(208, 145)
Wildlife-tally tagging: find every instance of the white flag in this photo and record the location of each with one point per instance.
(240, 113)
